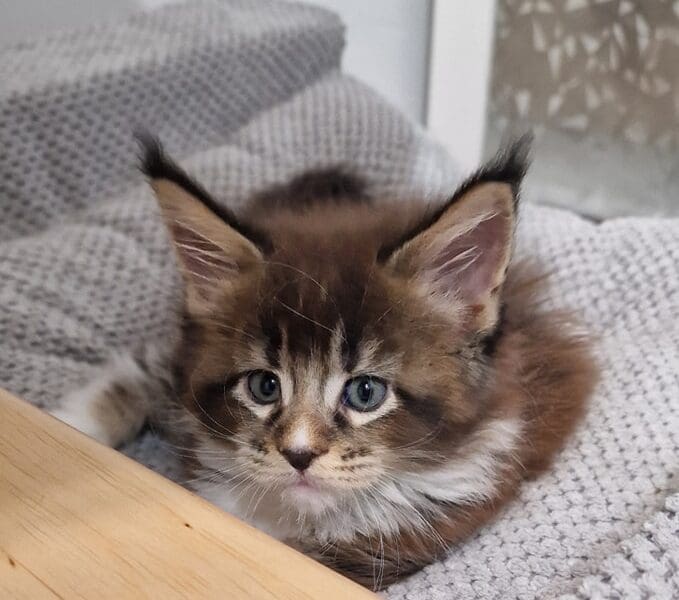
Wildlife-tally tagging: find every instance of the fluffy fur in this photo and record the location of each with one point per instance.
(318, 282)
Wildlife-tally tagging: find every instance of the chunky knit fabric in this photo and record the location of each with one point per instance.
(246, 94)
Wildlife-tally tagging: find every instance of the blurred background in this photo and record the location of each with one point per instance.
(597, 80)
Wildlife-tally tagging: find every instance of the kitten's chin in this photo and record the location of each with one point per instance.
(308, 498)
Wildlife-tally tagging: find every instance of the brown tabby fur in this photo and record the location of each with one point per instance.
(533, 353)
(310, 282)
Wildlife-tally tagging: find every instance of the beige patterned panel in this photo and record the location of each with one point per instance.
(599, 77)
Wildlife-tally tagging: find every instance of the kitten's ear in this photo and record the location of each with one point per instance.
(213, 247)
(463, 249)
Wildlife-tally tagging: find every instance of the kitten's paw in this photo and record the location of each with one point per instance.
(112, 407)
(75, 409)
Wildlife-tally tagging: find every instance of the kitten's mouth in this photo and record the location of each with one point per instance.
(308, 494)
(303, 482)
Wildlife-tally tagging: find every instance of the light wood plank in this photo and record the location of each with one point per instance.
(78, 520)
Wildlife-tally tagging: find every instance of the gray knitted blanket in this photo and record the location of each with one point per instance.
(247, 93)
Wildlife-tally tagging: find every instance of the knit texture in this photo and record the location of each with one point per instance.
(191, 73)
(86, 266)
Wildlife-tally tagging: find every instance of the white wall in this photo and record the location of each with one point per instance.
(459, 76)
(388, 47)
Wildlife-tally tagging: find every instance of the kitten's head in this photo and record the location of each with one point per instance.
(341, 351)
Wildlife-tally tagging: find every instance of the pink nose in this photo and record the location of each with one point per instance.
(299, 459)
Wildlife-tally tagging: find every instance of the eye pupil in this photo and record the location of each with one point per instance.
(268, 386)
(365, 391)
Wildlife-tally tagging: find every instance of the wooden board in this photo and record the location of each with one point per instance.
(79, 520)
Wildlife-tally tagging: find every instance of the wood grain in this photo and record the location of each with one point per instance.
(79, 520)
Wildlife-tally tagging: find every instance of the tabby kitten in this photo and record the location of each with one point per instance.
(366, 380)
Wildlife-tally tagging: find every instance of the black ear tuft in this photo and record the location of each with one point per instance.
(509, 165)
(151, 156)
(156, 165)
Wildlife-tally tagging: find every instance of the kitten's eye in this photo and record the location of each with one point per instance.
(264, 387)
(364, 393)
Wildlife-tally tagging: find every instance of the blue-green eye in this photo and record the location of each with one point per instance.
(364, 393)
(264, 387)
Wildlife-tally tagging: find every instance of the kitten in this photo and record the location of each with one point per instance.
(366, 380)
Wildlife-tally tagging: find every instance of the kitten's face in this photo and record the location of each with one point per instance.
(322, 372)
(334, 356)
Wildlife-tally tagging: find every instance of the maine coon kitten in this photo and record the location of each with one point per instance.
(366, 380)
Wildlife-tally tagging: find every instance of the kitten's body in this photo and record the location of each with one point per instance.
(319, 285)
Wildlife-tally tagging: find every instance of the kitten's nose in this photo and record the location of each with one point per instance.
(299, 459)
